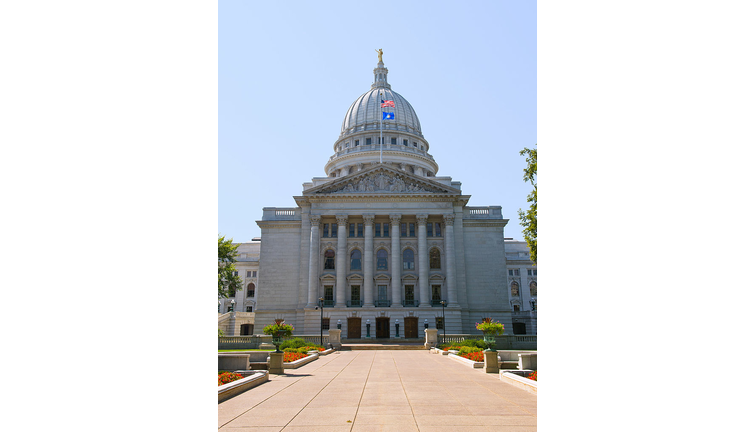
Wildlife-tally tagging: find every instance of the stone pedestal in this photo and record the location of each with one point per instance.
(335, 338)
(276, 363)
(490, 362)
(430, 338)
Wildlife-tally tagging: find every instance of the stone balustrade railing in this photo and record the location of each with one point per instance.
(254, 341)
(522, 342)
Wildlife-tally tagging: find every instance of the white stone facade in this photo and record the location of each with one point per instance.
(383, 241)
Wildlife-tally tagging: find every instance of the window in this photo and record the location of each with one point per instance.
(412, 230)
(249, 309)
(356, 260)
(393, 141)
(351, 230)
(382, 295)
(356, 143)
(333, 230)
(254, 273)
(404, 230)
(439, 324)
(369, 141)
(533, 288)
(408, 259)
(326, 230)
(409, 293)
(386, 230)
(405, 142)
(382, 259)
(531, 272)
(250, 290)
(329, 259)
(436, 293)
(325, 323)
(514, 289)
(378, 230)
(382, 140)
(434, 259)
(438, 229)
(415, 144)
(360, 230)
(513, 272)
(355, 293)
(328, 295)
(429, 229)
(516, 308)
(235, 273)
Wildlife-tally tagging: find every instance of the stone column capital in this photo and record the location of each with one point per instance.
(448, 218)
(395, 219)
(314, 219)
(368, 219)
(342, 219)
(422, 219)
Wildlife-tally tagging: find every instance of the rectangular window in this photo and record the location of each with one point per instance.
(250, 291)
(393, 141)
(249, 309)
(386, 230)
(328, 294)
(411, 230)
(382, 140)
(439, 324)
(404, 230)
(356, 143)
(438, 229)
(436, 292)
(531, 272)
(409, 293)
(351, 230)
(235, 273)
(382, 293)
(405, 142)
(378, 230)
(415, 144)
(429, 229)
(248, 273)
(325, 323)
(369, 141)
(333, 230)
(326, 230)
(359, 230)
(513, 272)
(355, 293)
(254, 273)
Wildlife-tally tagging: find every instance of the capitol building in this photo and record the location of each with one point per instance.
(383, 239)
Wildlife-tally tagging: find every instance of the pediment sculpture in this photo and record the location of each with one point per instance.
(380, 182)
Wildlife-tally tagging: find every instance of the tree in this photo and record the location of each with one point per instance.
(529, 218)
(227, 280)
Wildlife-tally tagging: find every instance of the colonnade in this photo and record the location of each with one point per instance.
(396, 269)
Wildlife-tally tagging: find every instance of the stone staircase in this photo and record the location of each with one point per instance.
(382, 344)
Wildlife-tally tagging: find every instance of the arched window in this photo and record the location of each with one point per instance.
(434, 259)
(382, 259)
(356, 260)
(514, 289)
(250, 290)
(408, 259)
(329, 259)
(533, 288)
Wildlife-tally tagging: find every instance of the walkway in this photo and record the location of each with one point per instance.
(360, 391)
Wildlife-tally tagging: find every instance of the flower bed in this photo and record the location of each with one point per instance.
(292, 357)
(227, 377)
(532, 376)
(477, 356)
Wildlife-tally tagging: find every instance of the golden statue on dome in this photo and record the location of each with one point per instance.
(379, 54)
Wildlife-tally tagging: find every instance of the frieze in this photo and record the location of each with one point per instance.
(380, 182)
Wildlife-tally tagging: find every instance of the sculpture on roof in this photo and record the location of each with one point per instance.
(379, 54)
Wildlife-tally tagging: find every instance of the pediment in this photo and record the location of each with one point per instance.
(382, 180)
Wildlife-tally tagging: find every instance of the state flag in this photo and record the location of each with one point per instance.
(386, 104)
(388, 116)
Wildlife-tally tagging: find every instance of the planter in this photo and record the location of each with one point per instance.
(467, 362)
(227, 391)
(519, 381)
(300, 362)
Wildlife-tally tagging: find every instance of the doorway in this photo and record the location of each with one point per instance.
(411, 327)
(383, 328)
(247, 329)
(354, 328)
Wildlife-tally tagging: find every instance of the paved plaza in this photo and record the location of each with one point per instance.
(386, 390)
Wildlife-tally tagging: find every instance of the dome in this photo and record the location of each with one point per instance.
(365, 113)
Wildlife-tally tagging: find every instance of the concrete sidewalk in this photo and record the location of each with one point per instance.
(381, 391)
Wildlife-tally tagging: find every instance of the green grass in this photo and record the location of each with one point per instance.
(249, 349)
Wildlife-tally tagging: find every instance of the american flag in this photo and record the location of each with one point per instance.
(386, 104)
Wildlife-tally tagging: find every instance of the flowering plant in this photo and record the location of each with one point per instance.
(487, 326)
(278, 329)
(227, 377)
(532, 376)
(292, 356)
(477, 356)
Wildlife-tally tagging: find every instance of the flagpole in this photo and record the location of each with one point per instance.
(381, 126)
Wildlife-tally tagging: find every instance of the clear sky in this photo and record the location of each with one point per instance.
(287, 74)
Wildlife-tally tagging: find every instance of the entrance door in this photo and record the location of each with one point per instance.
(247, 329)
(354, 328)
(411, 327)
(383, 328)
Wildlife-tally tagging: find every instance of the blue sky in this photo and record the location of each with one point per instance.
(287, 74)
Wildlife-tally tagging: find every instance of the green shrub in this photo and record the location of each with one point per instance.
(478, 343)
(468, 349)
(293, 343)
(293, 350)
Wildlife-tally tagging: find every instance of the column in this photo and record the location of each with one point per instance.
(423, 262)
(368, 260)
(340, 262)
(450, 258)
(395, 261)
(313, 261)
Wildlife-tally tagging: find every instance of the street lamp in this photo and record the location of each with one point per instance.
(338, 324)
(443, 303)
(426, 324)
(233, 305)
(397, 329)
(321, 318)
(368, 327)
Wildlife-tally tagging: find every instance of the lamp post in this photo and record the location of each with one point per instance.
(397, 329)
(443, 303)
(321, 318)
(368, 328)
(233, 305)
(338, 324)
(426, 324)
